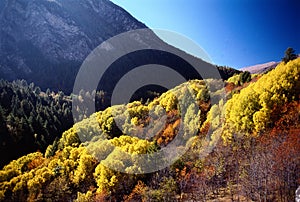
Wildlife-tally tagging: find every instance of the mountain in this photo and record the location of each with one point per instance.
(46, 41)
(41, 37)
(260, 68)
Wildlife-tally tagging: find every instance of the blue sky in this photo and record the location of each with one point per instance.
(235, 33)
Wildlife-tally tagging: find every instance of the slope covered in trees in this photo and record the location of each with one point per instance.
(259, 105)
(251, 153)
(30, 118)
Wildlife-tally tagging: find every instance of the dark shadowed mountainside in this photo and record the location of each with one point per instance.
(46, 41)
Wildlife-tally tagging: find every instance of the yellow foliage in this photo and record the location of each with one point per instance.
(84, 197)
(234, 79)
(84, 169)
(251, 110)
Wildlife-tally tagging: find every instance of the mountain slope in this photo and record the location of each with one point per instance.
(46, 41)
(260, 68)
(39, 38)
(261, 146)
(30, 119)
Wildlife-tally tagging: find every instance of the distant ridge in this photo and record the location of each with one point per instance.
(260, 68)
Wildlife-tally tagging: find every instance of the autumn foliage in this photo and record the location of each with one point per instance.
(245, 148)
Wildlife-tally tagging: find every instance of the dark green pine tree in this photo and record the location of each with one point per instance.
(289, 55)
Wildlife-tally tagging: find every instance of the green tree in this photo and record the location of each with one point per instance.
(245, 77)
(289, 55)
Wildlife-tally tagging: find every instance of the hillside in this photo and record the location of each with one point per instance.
(46, 42)
(260, 68)
(245, 147)
(30, 118)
